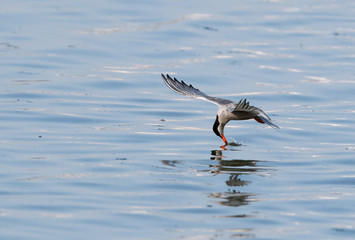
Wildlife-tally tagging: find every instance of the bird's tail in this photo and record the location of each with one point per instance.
(262, 119)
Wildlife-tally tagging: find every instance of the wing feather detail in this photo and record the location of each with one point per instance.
(244, 106)
(189, 91)
(259, 115)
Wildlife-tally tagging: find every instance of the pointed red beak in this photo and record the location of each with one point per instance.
(224, 139)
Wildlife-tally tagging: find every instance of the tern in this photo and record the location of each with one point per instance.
(228, 110)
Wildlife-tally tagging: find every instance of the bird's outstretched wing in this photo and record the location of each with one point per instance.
(190, 91)
(258, 114)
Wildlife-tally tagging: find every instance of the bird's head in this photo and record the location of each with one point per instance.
(215, 127)
(218, 129)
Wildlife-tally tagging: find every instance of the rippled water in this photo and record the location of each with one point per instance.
(94, 145)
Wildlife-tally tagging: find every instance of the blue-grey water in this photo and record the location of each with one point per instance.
(93, 145)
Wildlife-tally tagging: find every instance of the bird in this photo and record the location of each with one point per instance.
(228, 110)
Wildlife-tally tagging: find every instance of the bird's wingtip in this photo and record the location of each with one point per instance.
(263, 120)
(165, 77)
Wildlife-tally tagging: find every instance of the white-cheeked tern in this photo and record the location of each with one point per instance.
(228, 110)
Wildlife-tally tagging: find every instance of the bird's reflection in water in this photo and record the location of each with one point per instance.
(236, 168)
(171, 163)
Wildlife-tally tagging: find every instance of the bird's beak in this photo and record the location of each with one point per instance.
(225, 142)
(224, 139)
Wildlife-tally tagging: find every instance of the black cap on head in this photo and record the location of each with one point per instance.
(215, 127)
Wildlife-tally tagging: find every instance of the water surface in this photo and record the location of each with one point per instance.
(94, 145)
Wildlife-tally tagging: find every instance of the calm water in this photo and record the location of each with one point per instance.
(95, 146)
